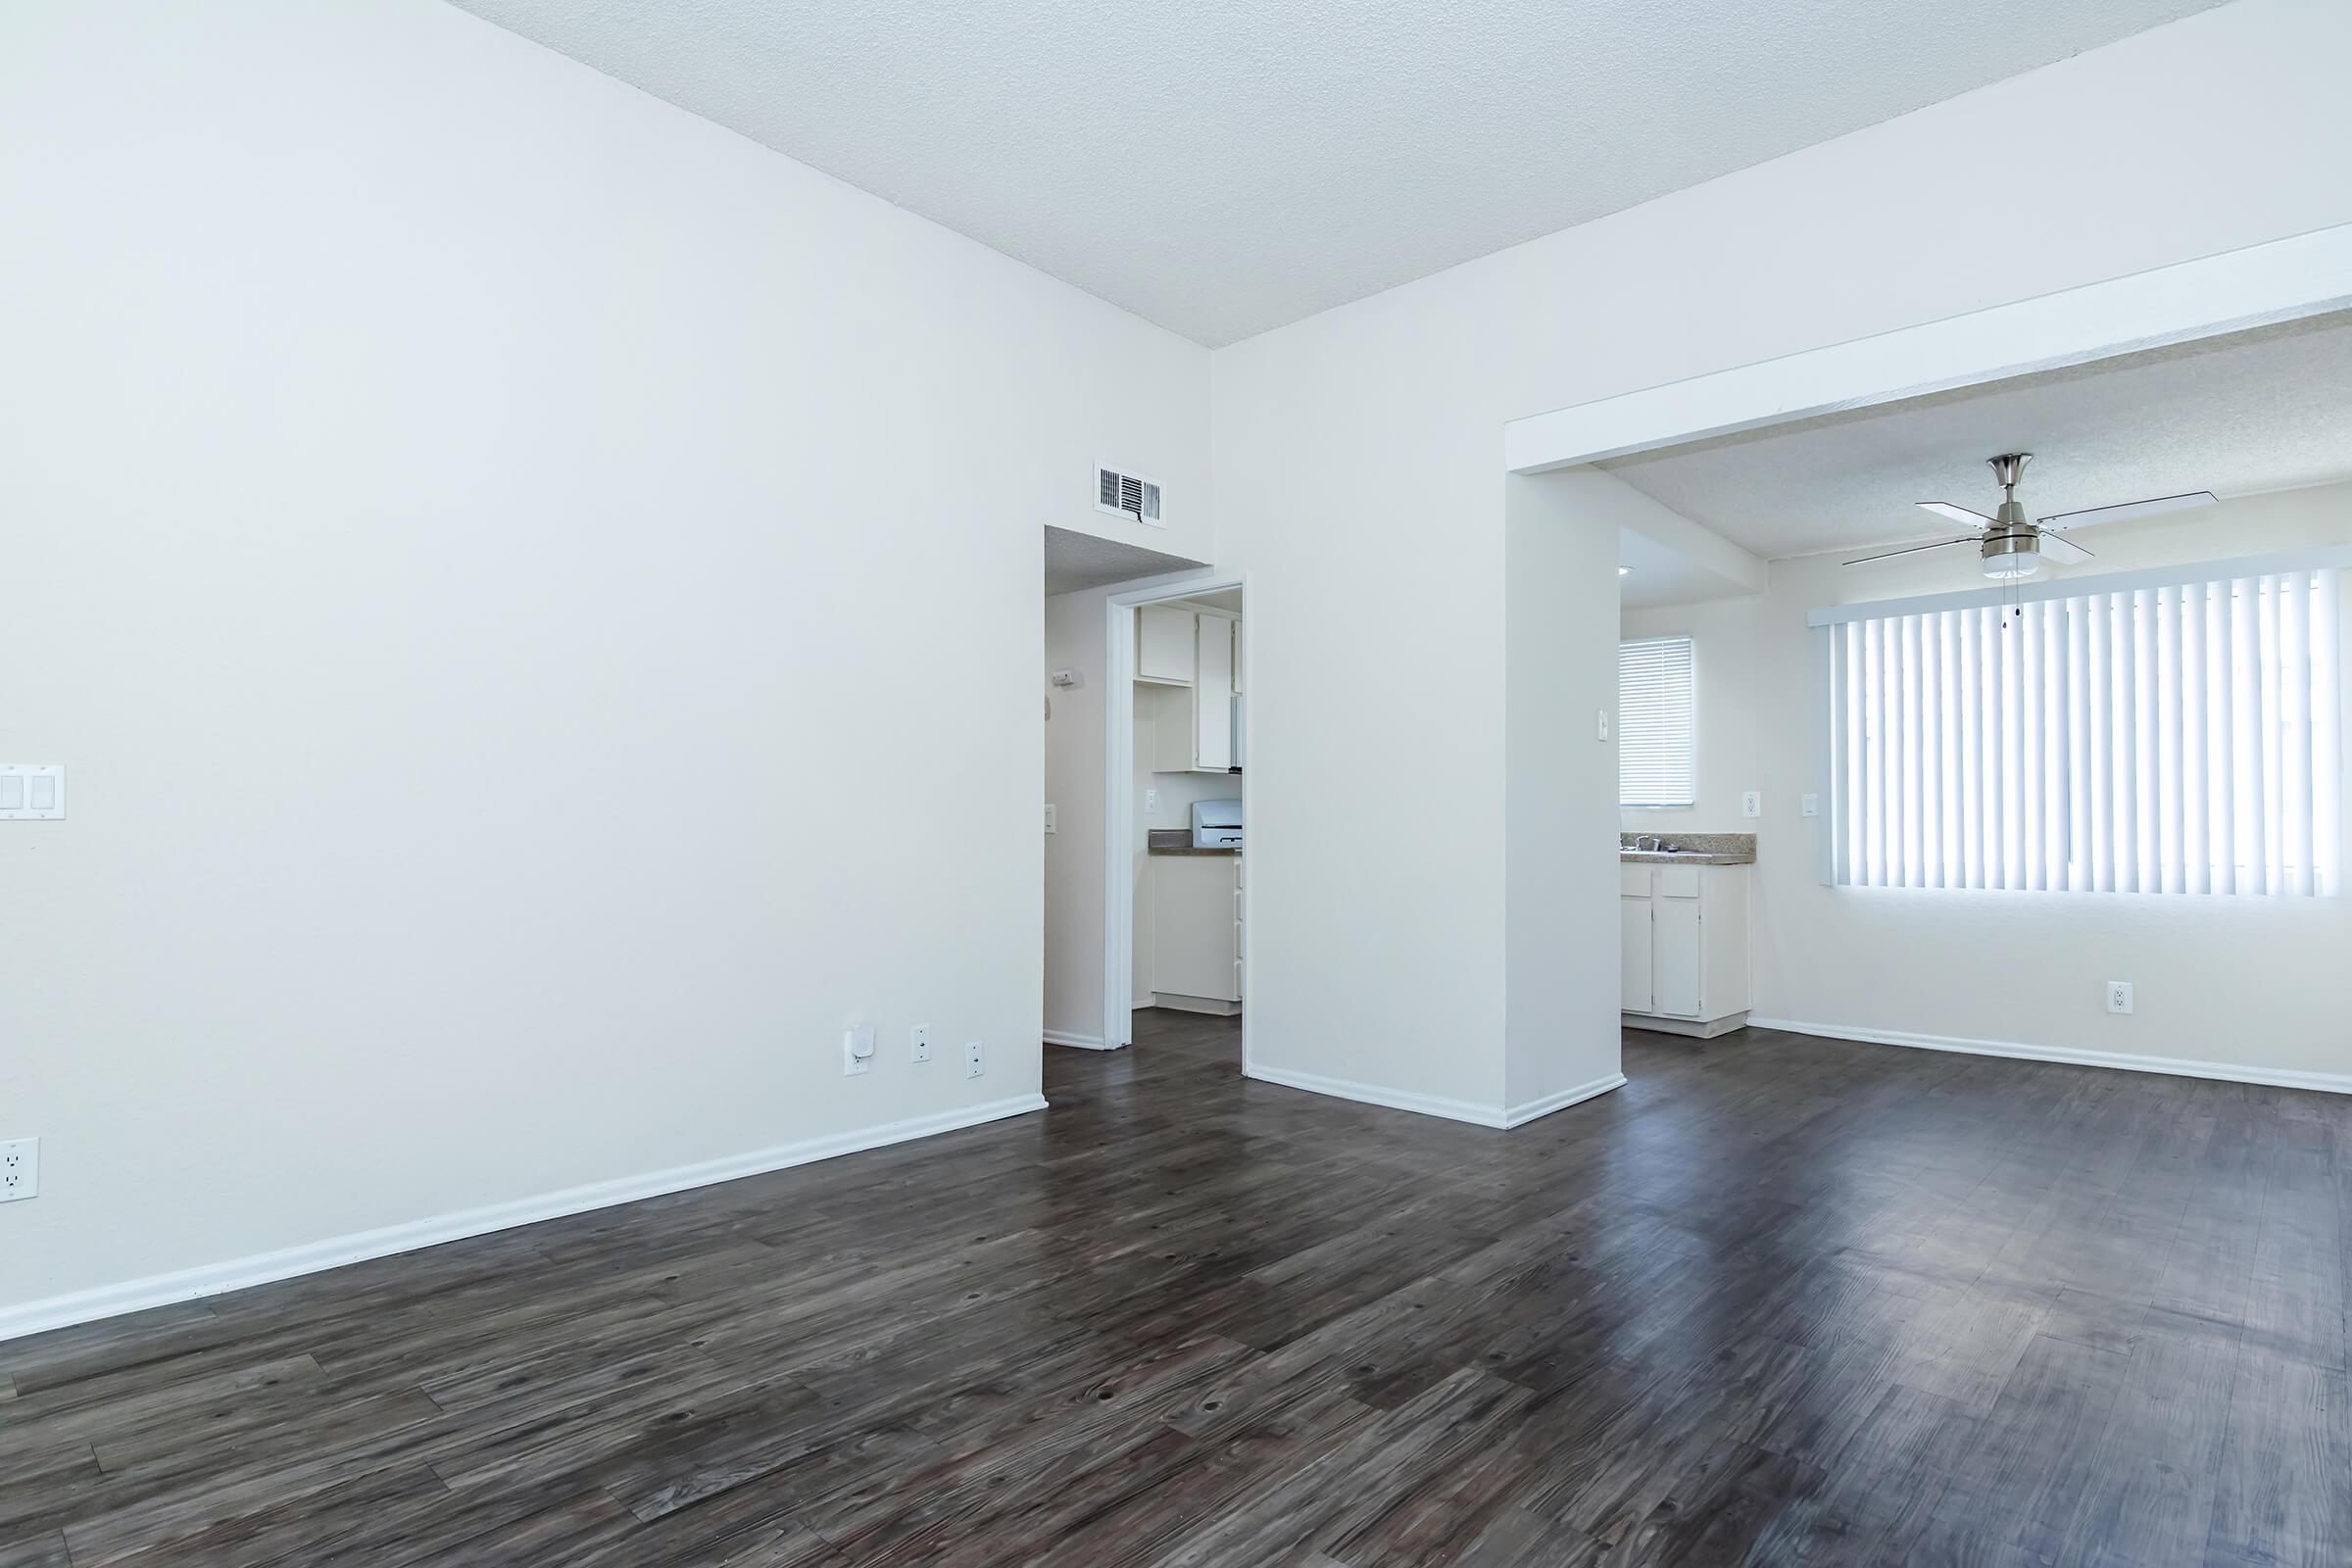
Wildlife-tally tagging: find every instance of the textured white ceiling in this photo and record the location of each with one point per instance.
(1660, 575)
(1075, 560)
(1227, 165)
(2265, 410)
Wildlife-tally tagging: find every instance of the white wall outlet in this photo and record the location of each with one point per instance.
(1048, 816)
(19, 1169)
(1810, 804)
(973, 1064)
(919, 1039)
(856, 1050)
(1150, 800)
(1602, 724)
(2118, 995)
(1752, 804)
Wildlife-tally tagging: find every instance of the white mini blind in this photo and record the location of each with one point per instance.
(1656, 731)
(2165, 739)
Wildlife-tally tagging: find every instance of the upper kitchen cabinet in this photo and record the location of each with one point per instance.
(1165, 639)
(1185, 662)
(1213, 696)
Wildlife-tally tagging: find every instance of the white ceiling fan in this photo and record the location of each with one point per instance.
(2013, 545)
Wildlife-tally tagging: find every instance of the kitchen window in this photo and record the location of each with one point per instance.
(2125, 734)
(1657, 729)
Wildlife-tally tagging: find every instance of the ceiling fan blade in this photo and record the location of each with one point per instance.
(2060, 551)
(2129, 509)
(1959, 515)
(1911, 549)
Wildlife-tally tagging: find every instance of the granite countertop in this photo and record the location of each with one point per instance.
(1178, 840)
(1693, 849)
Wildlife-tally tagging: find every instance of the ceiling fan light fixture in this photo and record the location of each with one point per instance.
(2007, 559)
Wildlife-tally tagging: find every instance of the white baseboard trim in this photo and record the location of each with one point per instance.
(2335, 1083)
(1064, 1037)
(1471, 1111)
(1520, 1115)
(1375, 1095)
(1211, 1007)
(310, 1258)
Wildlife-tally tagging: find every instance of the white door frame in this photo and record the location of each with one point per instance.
(1119, 790)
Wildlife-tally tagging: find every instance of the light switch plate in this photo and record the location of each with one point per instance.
(1812, 805)
(1048, 816)
(1603, 726)
(31, 792)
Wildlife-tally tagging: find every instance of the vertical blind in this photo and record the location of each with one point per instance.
(1656, 731)
(2170, 739)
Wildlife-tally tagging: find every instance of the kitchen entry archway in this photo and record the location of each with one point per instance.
(1120, 610)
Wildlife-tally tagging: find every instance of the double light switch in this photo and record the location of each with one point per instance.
(32, 794)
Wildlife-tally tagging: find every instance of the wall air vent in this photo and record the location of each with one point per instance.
(1128, 495)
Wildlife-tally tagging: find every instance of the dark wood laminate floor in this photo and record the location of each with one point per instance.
(1777, 1301)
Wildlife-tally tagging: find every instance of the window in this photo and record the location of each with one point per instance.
(1655, 735)
(2174, 738)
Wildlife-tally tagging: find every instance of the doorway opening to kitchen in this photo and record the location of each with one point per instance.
(1175, 948)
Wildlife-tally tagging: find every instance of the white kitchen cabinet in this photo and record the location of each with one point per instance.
(1685, 952)
(1192, 715)
(1212, 697)
(1196, 932)
(1174, 731)
(1163, 643)
(1634, 948)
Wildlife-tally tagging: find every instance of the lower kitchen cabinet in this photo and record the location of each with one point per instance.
(1196, 953)
(1685, 947)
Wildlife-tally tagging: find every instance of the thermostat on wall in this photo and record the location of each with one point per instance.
(30, 792)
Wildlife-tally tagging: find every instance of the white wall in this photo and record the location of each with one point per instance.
(1074, 888)
(1722, 632)
(539, 598)
(2250, 983)
(1357, 451)
(1563, 977)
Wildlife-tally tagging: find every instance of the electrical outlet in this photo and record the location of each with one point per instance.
(858, 1049)
(1752, 804)
(920, 1038)
(973, 1065)
(1048, 816)
(1812, 805)
(2118, 995)
(19, 1169)
(1150, 800)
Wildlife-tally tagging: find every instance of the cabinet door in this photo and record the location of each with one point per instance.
(1676, 933)
(1636, 950)
(1213, 698)
(1197, 947)
(1171, 748)
(1163, 644)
